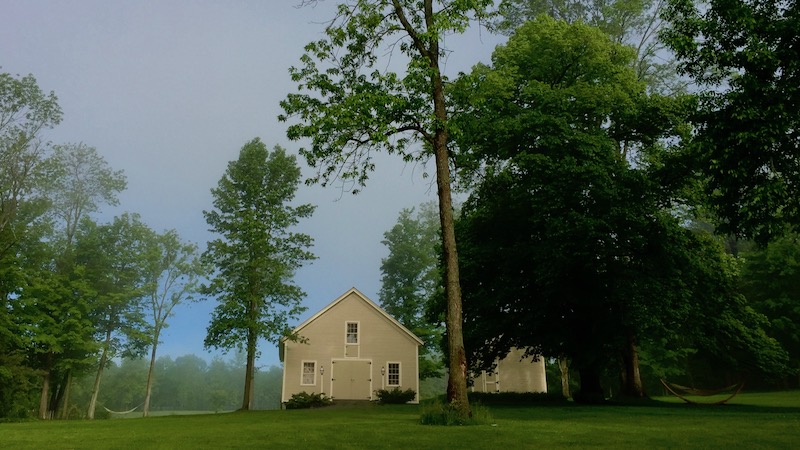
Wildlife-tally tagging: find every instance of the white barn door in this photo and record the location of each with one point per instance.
(351, 380)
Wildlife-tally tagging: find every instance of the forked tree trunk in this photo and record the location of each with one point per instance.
(67, 389)
(149, 387)
(96, 388)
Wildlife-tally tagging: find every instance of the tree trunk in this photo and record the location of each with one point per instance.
(457, 376)
(44, 396)
(457, 380)
(632, 380)
(249, 376)
(96, 388)
(57, 388)
(563, 366)
(67, 389)
(149, 387)
(591, 390)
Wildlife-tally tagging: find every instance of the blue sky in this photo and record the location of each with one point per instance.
(169, 91)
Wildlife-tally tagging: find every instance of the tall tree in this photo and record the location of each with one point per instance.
(411, 278)
(745, 58)
(25, 113)
(112, 256)
(172, 276)
(560, 217)
(81, 182)
(257, 255)
(354, 107)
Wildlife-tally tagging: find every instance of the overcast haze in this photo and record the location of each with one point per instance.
(169, 91)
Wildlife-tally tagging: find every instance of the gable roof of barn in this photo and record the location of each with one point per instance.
(367, 301)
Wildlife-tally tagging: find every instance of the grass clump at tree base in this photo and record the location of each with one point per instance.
(438, 413)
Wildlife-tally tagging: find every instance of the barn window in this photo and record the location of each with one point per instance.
(309, 373)
(393, 374)
(352, 332)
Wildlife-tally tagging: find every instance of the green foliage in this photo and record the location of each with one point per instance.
(742, 54)
(771, 283)
(258, 253)
(447, 414)
(635, 23)
(395, 396)
(304, 400)
(562, 233)
(25, 111)
(256, 257)
(349, 106)
(411, 278)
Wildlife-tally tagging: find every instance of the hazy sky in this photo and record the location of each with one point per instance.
(168, 91)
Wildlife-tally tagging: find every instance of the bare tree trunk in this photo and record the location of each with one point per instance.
(149, 388)
(44, 404)
(57, 388)
(67, 389)
(632, 380)
(457, 376)
(249, 376)
(563, 367)
(96, 388)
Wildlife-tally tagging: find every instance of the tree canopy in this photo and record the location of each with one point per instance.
(257, 253)
(744, 57)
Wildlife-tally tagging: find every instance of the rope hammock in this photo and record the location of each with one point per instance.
(124, 412)
(672, 388)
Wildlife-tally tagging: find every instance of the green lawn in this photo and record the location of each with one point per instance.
(752, 420)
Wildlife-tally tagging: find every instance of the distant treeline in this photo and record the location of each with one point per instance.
(186, 383)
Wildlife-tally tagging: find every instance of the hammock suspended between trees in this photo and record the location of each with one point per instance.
(124, 412)
(673, 388)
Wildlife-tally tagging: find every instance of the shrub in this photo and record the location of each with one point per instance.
(395, 396)
(306, 400)
(438, 413)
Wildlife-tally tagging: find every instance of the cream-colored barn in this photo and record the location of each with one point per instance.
(348, 351)
(514, 373)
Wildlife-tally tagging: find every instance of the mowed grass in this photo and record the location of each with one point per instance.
(752, 420)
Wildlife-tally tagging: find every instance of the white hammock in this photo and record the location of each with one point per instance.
(123, 412)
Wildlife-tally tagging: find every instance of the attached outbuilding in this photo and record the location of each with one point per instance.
(514, 373)
(349, 350)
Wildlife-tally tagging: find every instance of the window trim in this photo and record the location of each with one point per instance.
(347, 332)
(303, 372)
(389, 373)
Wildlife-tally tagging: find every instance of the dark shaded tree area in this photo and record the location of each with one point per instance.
(570, 242)
(744, 57)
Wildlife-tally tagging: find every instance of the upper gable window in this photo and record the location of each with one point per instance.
(352, 333)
